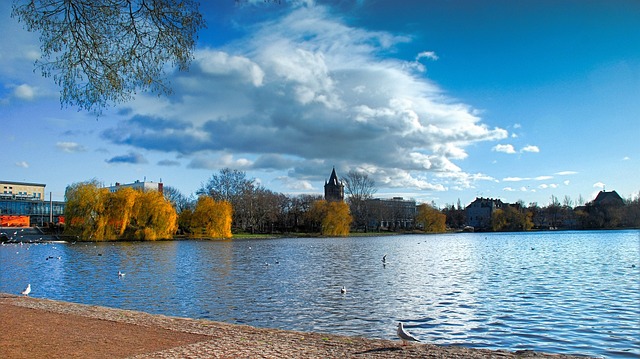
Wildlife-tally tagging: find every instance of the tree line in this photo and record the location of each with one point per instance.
(230, 202)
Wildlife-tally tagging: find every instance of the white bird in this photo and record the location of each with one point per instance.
(120, 274)
(405, 336)
(27, 290)
(343, 290)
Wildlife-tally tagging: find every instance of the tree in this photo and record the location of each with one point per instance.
(511, 218)
(84, 210)
(93, 213)
(234, 187)
(103, 52)
(360, 189)
(431, 219)
(334, 217)
(153, 217)
(179, 201)
(211, 218)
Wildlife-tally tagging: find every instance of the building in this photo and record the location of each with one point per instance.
(140, 186)
(391, 214)
(479, 212)
(605, 198)
(20, 200)
(333, 189)
(21, 191)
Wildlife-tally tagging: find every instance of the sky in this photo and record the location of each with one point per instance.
(438, 100)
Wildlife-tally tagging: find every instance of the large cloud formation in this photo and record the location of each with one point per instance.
(309, 90)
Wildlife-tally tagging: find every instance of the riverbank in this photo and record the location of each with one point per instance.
(34, 328)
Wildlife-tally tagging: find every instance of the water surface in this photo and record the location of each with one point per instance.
(560, 292)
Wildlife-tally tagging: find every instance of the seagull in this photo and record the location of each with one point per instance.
(384, 258)
(405, 336)
(27, 290)
(343, 290)
(120, 274)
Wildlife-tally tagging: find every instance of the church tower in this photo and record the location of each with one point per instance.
(333, 189)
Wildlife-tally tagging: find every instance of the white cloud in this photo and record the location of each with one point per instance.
(543, 178)
(566, 173)
(22, 164)
(504, 148)
(24, 92)
(431, 55)
(530, 148)
(599, 185)
(70, 147)
(307, 88)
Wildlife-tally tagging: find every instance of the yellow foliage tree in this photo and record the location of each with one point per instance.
(153, 217)
(93, 213)
(334, 217)
(432, 220)
(211, 218)
(84, 210)
(119, 209)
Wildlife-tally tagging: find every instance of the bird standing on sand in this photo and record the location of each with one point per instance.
(405, 336)
(27, 290)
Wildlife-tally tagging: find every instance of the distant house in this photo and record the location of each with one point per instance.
(606, 199)
(479, 212)
(333, 188)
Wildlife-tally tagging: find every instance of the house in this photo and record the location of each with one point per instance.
(605, 199)
(479, 212)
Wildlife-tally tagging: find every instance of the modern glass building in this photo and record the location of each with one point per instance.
(27, 199)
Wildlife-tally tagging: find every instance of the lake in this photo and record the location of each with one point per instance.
(559, 292)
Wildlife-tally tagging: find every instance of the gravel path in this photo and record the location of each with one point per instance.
(37, 328)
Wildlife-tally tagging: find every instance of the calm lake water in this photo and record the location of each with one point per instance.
(560, 292)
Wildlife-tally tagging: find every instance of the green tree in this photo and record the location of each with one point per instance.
(432, 220)
(103, 52)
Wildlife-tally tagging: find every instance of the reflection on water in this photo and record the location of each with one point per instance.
(562, 292)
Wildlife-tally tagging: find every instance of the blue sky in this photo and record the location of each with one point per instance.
(436, 101)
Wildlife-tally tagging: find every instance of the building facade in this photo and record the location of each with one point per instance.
(23, 199)
(479, 212)
(392, 214)
(333, 188)
(21, 191)
(139, 185)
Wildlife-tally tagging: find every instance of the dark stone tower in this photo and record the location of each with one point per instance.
(333, 189)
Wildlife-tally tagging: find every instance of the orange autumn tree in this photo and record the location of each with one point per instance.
(95, 214)
(153, 217)
(211, 218)
(334, 217)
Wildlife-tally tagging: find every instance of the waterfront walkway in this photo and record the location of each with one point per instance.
(38, 328)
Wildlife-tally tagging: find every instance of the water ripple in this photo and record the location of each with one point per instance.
(577, 292)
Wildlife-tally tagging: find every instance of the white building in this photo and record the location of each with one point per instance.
(137, 185)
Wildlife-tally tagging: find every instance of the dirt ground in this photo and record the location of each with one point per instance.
(40, 328)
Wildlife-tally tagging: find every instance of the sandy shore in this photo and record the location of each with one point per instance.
(38, 328)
